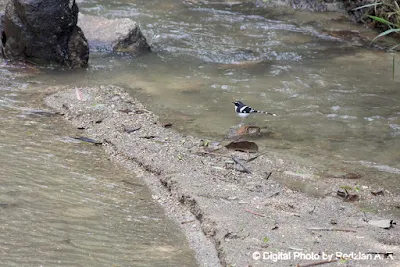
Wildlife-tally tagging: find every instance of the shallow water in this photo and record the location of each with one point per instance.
(338, 107)
(63, 203)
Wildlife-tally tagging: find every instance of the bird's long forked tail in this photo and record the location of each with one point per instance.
(265, 112)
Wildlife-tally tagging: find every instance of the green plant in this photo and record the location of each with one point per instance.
(386, 13)
(387, 32)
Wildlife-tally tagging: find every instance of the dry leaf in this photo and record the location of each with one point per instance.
(378, 193)
(244, 146)
(351, 175)
(248, 129)
(167, 125)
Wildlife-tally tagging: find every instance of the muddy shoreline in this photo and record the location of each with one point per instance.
(231, 217)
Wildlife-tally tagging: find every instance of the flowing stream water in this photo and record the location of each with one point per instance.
(63, 203)
(337, 107)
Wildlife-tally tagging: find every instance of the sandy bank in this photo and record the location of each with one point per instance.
(229, 215)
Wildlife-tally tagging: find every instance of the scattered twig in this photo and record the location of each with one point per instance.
(378, 193)
(255, 157)
(274, 194)
(237, 161)
(127, 110)
(331, 229)
(139, 111)
(190, 221)
(349, 175)
(365, 217)
(131, 130)
(255, 213)
(148, 137)
(267, 175)
(211, 153)
(312, 211)
(316, 263)
(88, 140)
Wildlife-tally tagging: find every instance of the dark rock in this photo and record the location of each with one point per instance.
(44, 31)
(119, 35)
(78, 49)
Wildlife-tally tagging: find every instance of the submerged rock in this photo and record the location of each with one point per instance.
(119, 35)
(44, 31)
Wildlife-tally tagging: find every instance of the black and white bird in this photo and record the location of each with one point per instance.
(244, 111)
